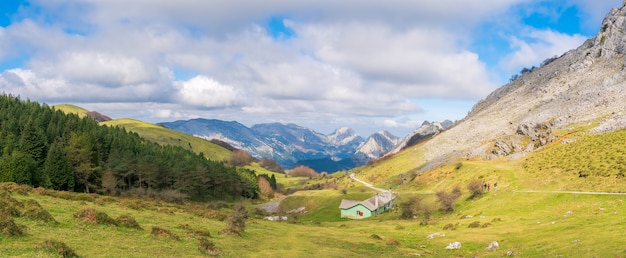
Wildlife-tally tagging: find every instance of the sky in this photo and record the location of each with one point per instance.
(368, 65)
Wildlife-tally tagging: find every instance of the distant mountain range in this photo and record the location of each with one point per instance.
(291, 145)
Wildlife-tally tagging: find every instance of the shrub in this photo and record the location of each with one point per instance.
(485, 225)
(239, 158)
(475, 188)
(474, 224)
(303, 171)
(270, 165)
(411, 207)
(94, 217)
(236, 221)
(128, 221)
(57, 247)
(448, 199)
(207, 246)
(161, 232)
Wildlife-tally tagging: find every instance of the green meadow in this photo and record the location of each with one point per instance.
(527, 215)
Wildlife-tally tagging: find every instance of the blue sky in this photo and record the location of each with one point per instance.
(382, 65)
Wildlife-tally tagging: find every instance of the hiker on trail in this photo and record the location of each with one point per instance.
(488, 187)
(495, 186)
(484, 187)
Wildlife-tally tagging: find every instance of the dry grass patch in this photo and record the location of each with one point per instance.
(94, 217)
(161, 232)
(34, 211)
(57, 247)
(207, 246)
(128, 221)
(9, 228)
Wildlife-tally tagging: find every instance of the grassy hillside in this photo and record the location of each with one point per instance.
(167, 136)
(158, 134)
(71, 109)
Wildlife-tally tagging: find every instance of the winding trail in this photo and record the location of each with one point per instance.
(367, 184)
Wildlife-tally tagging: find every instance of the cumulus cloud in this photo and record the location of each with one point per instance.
(534, 46)
(206, 92)
(349, 61)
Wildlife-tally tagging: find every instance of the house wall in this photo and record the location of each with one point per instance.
(353, 212)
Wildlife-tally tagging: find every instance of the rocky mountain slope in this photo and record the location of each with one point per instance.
(584, 89)
(375, 146)
(425, 131)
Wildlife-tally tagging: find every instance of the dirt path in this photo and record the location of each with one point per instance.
(272, 207)
(367, 184)
(569, 192)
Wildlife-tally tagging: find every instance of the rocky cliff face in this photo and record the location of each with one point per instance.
(585, 86)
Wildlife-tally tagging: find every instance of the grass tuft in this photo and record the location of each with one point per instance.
(161, 232)
(34, 211)
(128, 221)
(9, 228)
(57, 247)
(94, 217)
(207, 246)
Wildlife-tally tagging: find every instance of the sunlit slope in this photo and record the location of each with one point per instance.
(579, 161)
(71, 109)
(167, 136)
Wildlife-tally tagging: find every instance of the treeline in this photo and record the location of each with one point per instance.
(44, 147)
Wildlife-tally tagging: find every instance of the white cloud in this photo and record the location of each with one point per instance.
(534, 46)
(402, 123)
(350, 62)
(102, 69)
(205, 92)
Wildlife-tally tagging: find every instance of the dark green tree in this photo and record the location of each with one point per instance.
(58, 168)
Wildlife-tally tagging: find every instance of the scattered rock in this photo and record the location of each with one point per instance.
(510, 253)
(297, 210)
(568, 213)
(433, 235)
(493, 246)
(454, 245)
(276, 218)
(575, 240)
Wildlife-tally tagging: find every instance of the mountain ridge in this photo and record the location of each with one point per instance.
(584, 87)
